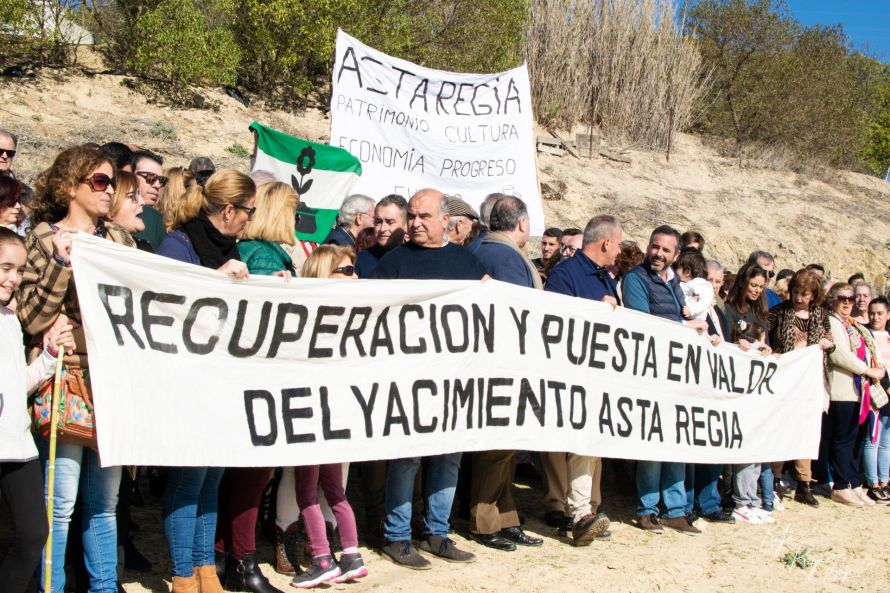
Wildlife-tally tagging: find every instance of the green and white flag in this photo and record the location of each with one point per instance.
(321, 175)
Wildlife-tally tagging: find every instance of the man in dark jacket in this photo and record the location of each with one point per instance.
(390, 218)
(356, 214)
(572, 481)
(494, 521)
(652, 287)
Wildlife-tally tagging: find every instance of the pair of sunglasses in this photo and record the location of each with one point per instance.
(345, 270)
(150, 178)
(250, 211)
(7, 152)
(100, 181)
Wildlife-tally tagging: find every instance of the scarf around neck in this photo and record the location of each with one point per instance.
(502, 238)
(213, 248)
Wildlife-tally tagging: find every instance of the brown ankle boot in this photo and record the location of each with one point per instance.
(185, 584)
(208, 581)
(287, 551)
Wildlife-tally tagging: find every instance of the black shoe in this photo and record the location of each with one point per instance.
(245, 575)
(804, 494)
(445, 549)
(588, 527)
(404, 554)
(565, 527)
(133, 558)
(518, 536)
(877, 494)
(495, 541)
(721, 516)
(222, 565)
(554, 519)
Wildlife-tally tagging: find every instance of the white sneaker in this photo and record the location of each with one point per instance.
(747, 515)
(777, 503)
(765, 516)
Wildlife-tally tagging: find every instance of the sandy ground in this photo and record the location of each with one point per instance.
(837, 218)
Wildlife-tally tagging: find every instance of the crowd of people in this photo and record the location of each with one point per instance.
(242, 224)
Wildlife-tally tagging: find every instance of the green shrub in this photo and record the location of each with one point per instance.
(180, 43)
(238, 150)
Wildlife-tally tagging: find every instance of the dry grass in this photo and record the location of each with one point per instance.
(622, 65)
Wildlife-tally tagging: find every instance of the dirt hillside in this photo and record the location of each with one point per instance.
(840, 219)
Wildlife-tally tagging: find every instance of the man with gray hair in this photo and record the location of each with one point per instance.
(572, 481)
(494, 521)
(8, 145)
(484, 216)
(356, 214)
(427, 256)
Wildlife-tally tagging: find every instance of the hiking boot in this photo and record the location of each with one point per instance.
(681, 524)
(650, 523)
(321, 569)
(404, 554)
(721, 516)
(861, 495)
(805, 495)
(445, 549)
(847, 497)
(287, 550)
(351, 568)
(588, 527)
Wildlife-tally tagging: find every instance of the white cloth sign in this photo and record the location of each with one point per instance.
(191, 368)
(414, 127)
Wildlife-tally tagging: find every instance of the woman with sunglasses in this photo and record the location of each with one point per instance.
(10, 204)
(327, 261)
(126, 210)
(205, 235)
(854, 369)
(72, 196)
(262, 249)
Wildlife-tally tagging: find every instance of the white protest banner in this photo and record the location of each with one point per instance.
(413, 127)
(191, 368)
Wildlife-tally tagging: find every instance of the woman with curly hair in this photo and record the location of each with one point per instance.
(797, 323)
(73, 196)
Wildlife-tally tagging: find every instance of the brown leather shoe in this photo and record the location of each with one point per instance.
(682, 525)
(185, 584)
(588, 527)
(208, 581)
(650, 523)
(287, 551)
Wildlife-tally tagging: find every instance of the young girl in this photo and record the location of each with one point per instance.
(693, 271)
(748, 506)
(21, 482)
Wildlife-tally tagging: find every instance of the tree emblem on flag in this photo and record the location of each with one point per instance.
(305, 162)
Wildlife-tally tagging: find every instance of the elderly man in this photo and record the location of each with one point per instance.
(572, 480)
(461, 221)
(8, 145)
(484, 214)
(356, 214)
(494, 521)
(148, 168)
(427, 256)
(653, 288)
(390, 220)
(571, 241)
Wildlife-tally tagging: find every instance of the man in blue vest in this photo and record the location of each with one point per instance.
(572, 480)
(652, 287)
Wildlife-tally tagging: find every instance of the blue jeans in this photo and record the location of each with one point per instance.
(767, 487)
(701, 487)
(77, 468)
(664, 480)
(876, 456)
(189, 507)
(440, 483)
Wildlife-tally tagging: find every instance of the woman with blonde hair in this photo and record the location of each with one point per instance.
(206, 227)
(73, 196)
(125, 212)
(180, 180)
(267, 238)
(242, 488)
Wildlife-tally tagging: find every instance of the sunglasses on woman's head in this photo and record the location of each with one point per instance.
(100, 181)
(150, 178)
(345, 270)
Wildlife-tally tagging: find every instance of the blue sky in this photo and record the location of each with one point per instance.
(866, 22)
